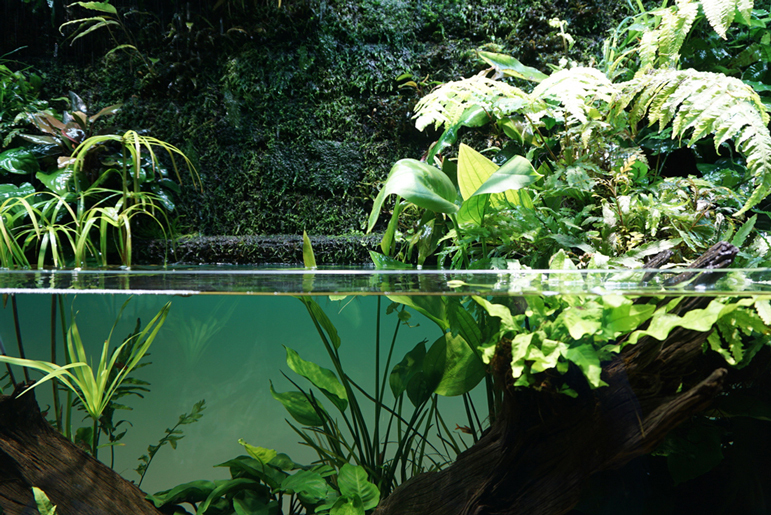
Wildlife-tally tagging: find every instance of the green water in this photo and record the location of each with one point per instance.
(224, 349)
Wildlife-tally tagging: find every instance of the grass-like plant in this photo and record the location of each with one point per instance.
(96, 387)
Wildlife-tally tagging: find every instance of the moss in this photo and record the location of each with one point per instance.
(293, 116)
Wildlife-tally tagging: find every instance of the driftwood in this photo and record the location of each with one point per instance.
(32, 453)
(541, 451)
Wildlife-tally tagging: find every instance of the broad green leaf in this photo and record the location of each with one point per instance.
(586, 358)
(298, 406)
(511, 67)
(249, 503)
(462, 321)
(497, 310)
(585, 319)
(545, 357)
(432, 306)
(309, 260)
(19, 160)
(693, 450)
(11, 190)
(353, 482)
(406, 369)
(322, 378)
(461, 368)
(58, 181)
(347, 506)
(192, 492)
(419, 183)
(308, 485)
(516, 173)
(260, 454)
(473, 210)
(473, 170)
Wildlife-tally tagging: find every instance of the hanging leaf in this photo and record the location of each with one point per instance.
(419, 183)
(18, 160)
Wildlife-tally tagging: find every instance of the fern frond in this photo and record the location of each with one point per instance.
(577, 89)
(446, 104)
(702, 104)
(661, 47)
(721, 13)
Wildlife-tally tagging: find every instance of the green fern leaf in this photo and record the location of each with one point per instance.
(721, 13)
(702, 103)
(577, 89)
(445, 105)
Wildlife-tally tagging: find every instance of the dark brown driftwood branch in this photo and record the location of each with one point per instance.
(32, 453)
(539, 454)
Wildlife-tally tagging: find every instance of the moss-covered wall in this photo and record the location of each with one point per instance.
(293, 115)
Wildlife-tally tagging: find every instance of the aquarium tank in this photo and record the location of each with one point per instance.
(567, 310)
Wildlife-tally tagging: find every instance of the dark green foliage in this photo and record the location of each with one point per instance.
(292, 114)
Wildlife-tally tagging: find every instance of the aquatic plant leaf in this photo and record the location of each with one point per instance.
(298, 406)
(353, 483)
(693, 450)
(192, 492)
(249, 503)
(405, 370)
(18, 160)
(44, 504)
(347, 506)
(497, 310)
(585, 356)
(432, 306)
(322, 378)
(308, 485)
(460, 367)
(224, 488)
(260, 454)
(419, 183)
(250, 467)
(321, 318)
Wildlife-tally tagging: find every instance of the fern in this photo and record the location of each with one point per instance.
(721, 13)
(702, 104)
(660, 47)
(445, 105)
(577, 89)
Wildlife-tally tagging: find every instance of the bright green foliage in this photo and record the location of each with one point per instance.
(44, 504)
(263, 480)
(96, 388)
(702, 104)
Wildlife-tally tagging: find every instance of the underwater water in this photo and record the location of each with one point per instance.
(227, 331)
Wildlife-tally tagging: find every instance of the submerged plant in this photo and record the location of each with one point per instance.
(96, 388)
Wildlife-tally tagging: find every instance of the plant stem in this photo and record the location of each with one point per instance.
(54, 382)
(95, 438)
(18, 334)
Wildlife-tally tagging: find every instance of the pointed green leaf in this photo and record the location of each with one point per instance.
(309, 260)
(586, 358)
(406, 369)
(461, 368)
(298, 406)
(347, 506)
(308, 485)
(322, 378)
(473, 170)
(260, 454)
(104, 7)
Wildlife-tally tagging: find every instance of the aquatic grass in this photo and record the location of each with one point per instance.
(95, 388)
